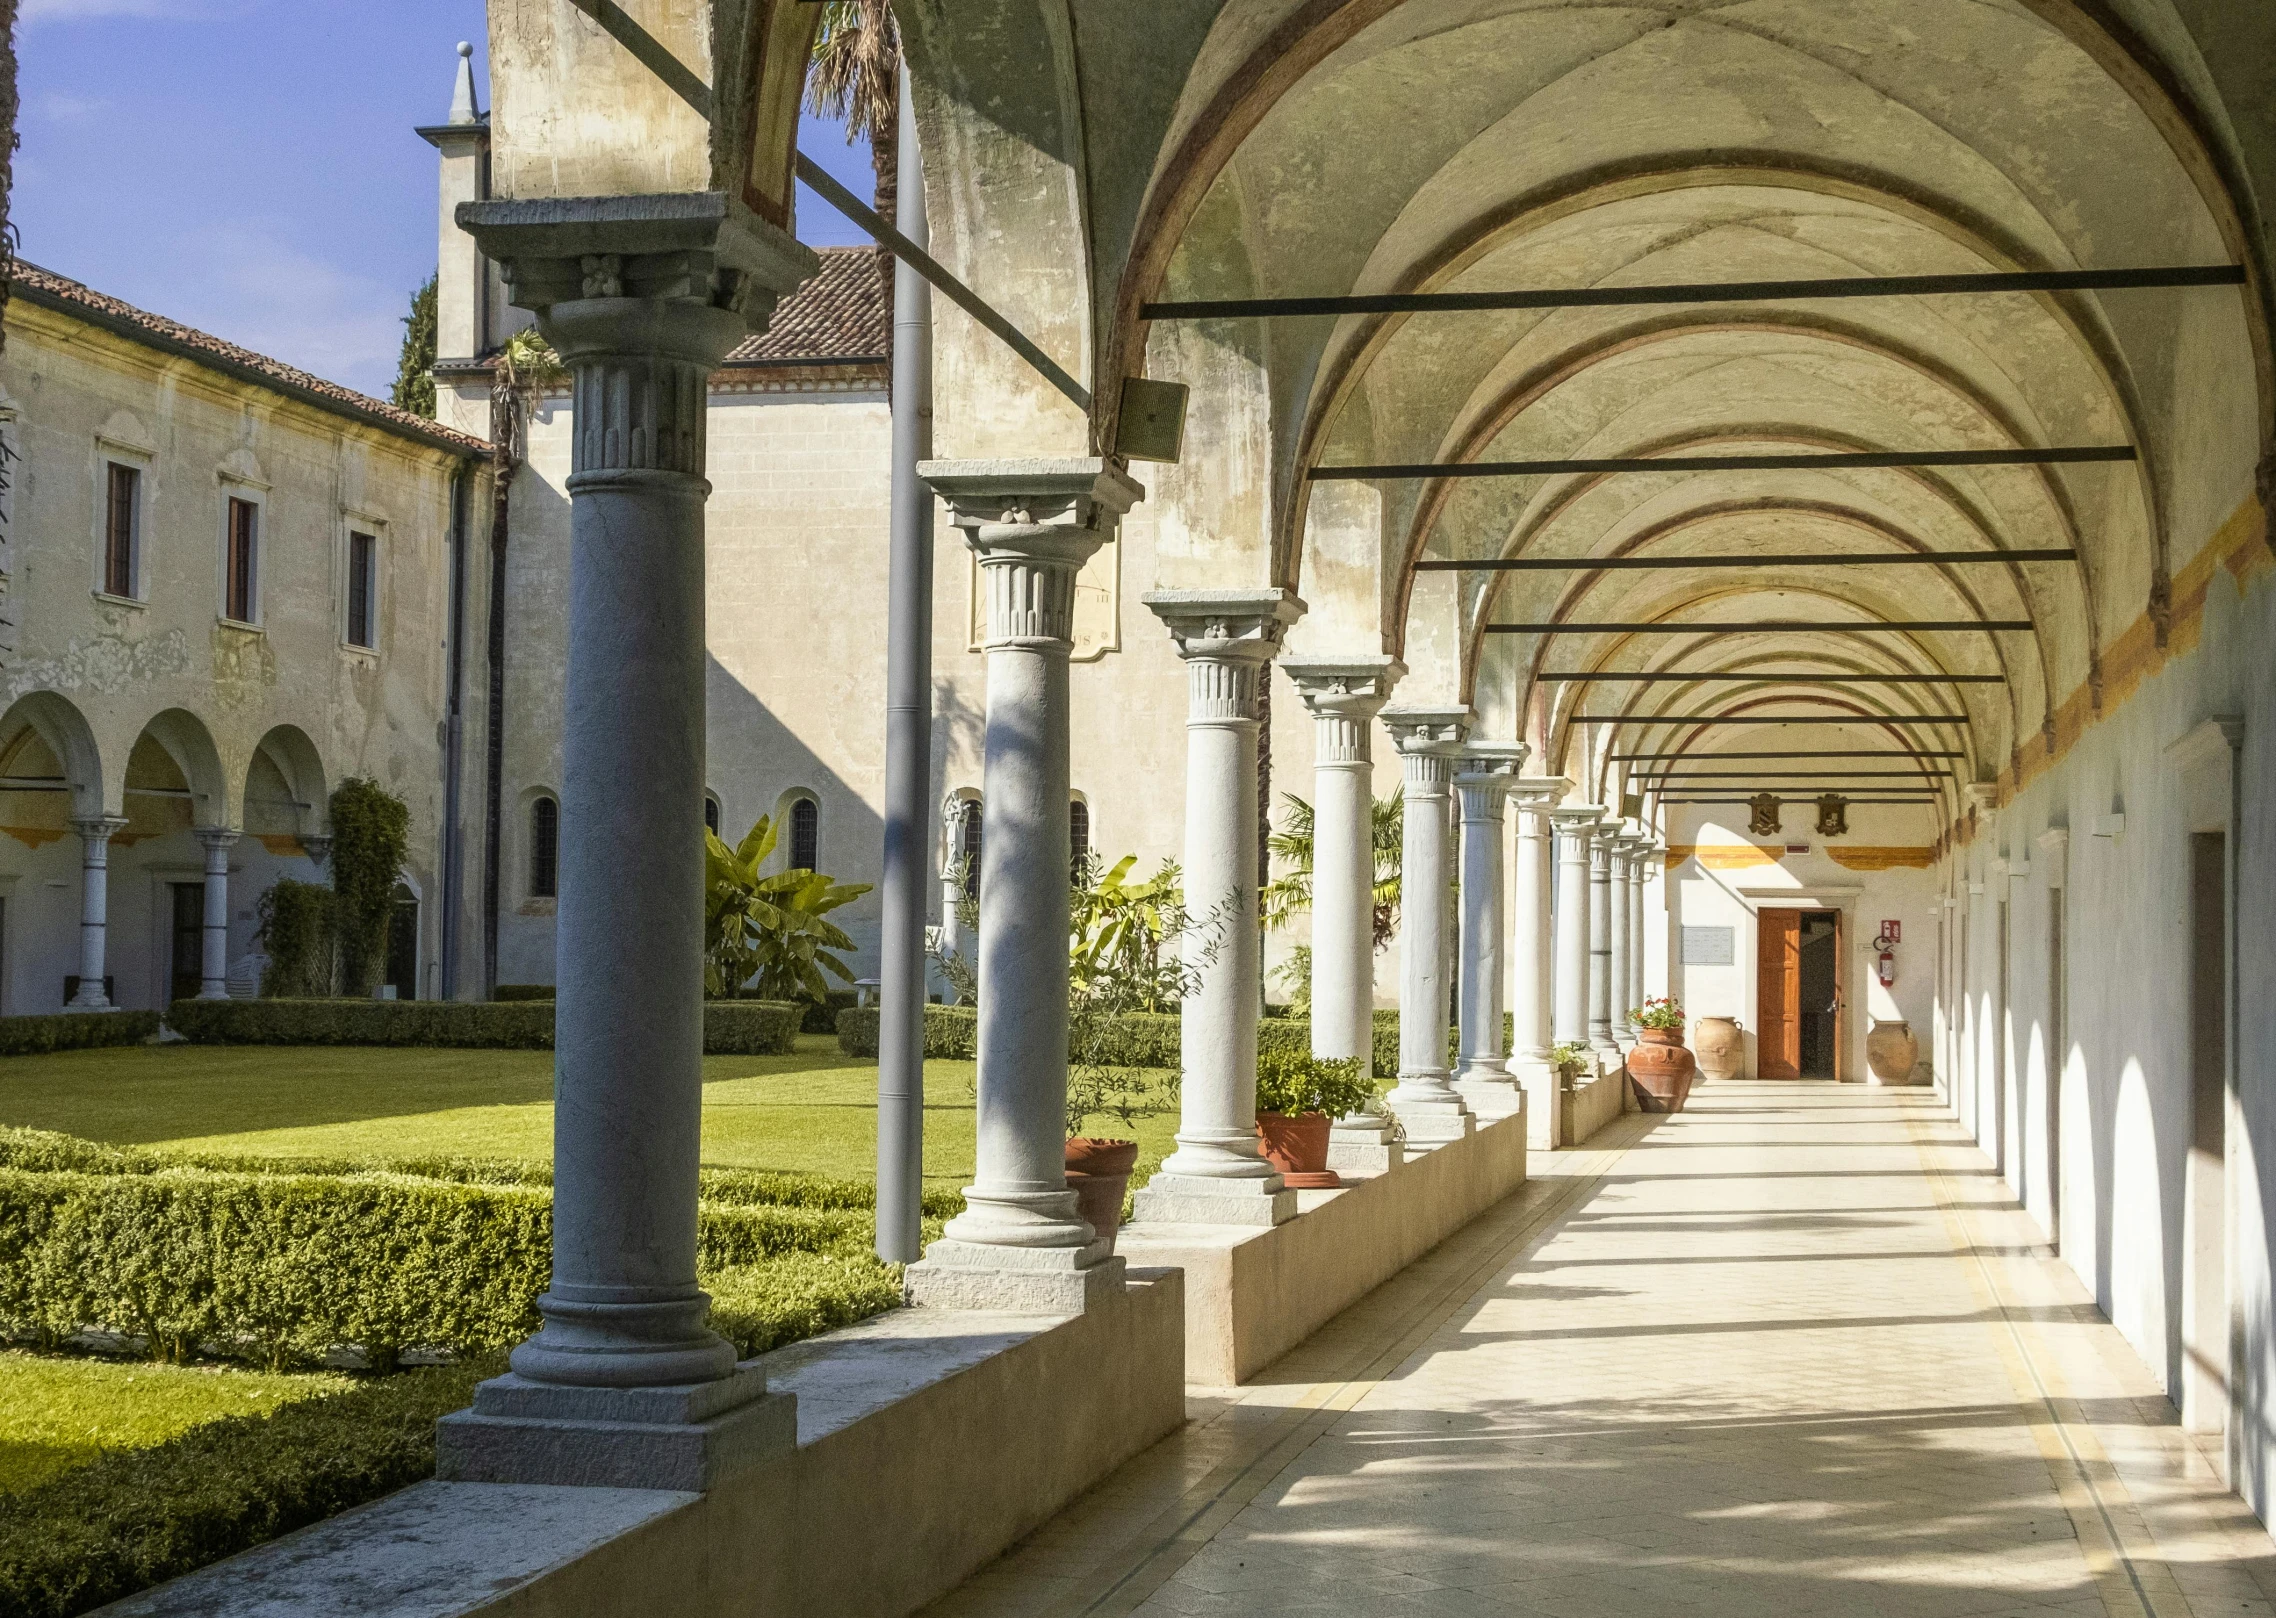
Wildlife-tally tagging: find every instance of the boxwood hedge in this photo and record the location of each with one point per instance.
(75, 1031)
(730, 1027)
(1139, 1039)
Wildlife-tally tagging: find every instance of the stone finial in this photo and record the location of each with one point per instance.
(462, 108)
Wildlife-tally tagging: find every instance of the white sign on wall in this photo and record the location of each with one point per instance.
(1709, 946)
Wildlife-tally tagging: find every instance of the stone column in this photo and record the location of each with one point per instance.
(1646, 856)
(624, 1383)
(1483, 777)
(1425, 1101)
(1600, 1038)
(1344, 696)
(1532, 981)
(1020, 1244)
(1218, 1173)
(94, 906)
(1617, 1002)
(214, 974)
(1576, 829)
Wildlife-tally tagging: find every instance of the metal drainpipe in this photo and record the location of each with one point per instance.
(454, 733)
(908, 739)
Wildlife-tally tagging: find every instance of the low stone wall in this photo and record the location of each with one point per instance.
(1590, 1105)
(929, 1441)
(1253, 1293)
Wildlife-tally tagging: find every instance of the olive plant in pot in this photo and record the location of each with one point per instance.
(1298, 1098)
(1660, 1069)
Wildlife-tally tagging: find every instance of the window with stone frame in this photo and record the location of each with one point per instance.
(363, 590)
(805, 835)
(241, 566)
(544, 849)
(122, 528)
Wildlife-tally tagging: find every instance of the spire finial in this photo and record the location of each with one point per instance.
(462, 94)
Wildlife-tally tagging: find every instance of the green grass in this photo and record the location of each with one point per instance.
(59, 1411)
(813, 1112)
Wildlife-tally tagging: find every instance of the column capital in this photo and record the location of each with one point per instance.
(98, 828)
(1539, 794)
(1436, 732)
(217, 836)
(1483, 775)
(1345, 687)
(1244, 626)
(1033, 524)
(1578, 819)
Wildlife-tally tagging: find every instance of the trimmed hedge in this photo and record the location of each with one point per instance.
(134, 1518)
(522, 991)
(1140, 1039)
(75, 1031)
(730, 1027)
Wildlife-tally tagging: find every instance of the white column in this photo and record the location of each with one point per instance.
(1019, 1241)
(1428, 1106)
(1531, 983)
(1218, 1173)
(94, 906)
(1600, 1038)
(1576, 829)
(1344, 696)
(1647, 861)
(1617, 1003)
(214, 974)
(1483, 777)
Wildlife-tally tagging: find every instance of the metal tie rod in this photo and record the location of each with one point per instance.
(1576, 677)
(1595, 564)
(1748, 627)
(1773, 719)
(1601, 297)
(683, 82)
(1838, 460)
(1681, 777)
(1922, 800)
(1830, 752)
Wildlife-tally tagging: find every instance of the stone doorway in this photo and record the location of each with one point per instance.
(1798, 994)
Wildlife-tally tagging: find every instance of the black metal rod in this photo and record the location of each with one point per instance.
(1923, 801)
(1831, 752)
(1743, 627)
(1598, 564)
(1699, 772)
(1838, 460)
(1774, 719)
(1847, 286)
(1679, 676)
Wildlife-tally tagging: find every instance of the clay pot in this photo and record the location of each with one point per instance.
(1660, 1070)
(1298, 1147)
(1890, 1051)
(1720, 1047)
(1098, 1172)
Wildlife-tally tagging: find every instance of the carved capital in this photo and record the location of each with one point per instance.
(1033, 524)
(1226, 637)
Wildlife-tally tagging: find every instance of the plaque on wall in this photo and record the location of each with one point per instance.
(1709, 946)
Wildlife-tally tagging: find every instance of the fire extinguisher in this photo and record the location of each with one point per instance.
(1886, 966)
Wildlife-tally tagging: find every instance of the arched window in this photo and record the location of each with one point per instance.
(544, 849)
(805, 835)
(711, 814)
(1078, 839)
(969, 847)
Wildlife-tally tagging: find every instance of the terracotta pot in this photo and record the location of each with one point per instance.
(1720, 1047)
(1660, 1070)
(1298, 1147)
(1890, 1051)
(1098, 1172)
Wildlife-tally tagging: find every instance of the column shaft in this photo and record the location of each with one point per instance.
(1425, 1099)
(1618, 1003)
(1533, 978)
(214, 974)
(1600, 1037)
(94, 907)
(1575, 830)
(1486, 773)
(1640, 873)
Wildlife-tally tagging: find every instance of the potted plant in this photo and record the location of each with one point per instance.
(1659, 1068)
(1099, 1167)
(1571, 1061)
(1298, 1098)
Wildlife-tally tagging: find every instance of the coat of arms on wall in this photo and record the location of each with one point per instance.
(1765, 814)
(1833, 815)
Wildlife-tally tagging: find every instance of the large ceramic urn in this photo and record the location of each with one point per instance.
(1891, 1050)
(1720, 1047)
(1660, 1070)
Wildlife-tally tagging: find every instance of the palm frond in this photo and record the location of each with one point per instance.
(857, 67)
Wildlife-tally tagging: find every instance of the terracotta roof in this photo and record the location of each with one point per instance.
(836, 318)
(52, 291)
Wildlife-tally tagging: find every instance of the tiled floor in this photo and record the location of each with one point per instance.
(1787, 1352)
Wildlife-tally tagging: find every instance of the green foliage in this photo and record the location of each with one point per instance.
(799, 1295)
(1125, 943)
(766, 932)
(1293, 1083)
(1296, 972)
(296, 934)
(730, 1027)
(371, 836)
(1289, 895)
(137, 1517)
(522, 991)
(414, 388)
(1662, 1014)
(1569, 1056)
(75, 1031)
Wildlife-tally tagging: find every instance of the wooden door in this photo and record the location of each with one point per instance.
(1778, 994)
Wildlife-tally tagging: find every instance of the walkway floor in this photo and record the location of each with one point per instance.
(1788, 1352)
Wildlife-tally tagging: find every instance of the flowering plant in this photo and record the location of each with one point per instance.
(1662, 1014)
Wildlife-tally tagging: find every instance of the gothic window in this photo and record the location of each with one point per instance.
(805, 835)
(363, 590)
(711, 814)
(1078, 839)
(968, 845)
(544, 849)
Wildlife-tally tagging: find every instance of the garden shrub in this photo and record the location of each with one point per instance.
(134, 1518)
(522, 991)
(730, 1027)
(75, 1031)
(751, 1027)
(822, 1015)
(296, 933)
(799, 1295)
(1134, 1039)
(371, 837)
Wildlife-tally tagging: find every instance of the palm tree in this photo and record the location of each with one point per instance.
(857, 77)
(1291, 893)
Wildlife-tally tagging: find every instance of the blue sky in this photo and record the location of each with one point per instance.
(248, 166)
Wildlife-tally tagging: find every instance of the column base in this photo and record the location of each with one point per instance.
(1492, 1096)
(686, 1438)
(1014, 1280)
(1430, 1110)
(1192, 1199)
(1365, 1143)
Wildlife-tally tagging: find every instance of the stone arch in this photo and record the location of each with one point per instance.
(285, 786)
(63, 733)
(189, 748)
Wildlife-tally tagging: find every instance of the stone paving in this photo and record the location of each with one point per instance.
(1792, 1351)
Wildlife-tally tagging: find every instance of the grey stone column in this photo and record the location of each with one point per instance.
(1344, 696)
(1600, 1038)
(214, 967)
(1576, 829)
(624, 1384)
(1483, 777)
(1019, 1244)
(1645, 857)
(1218, 1174)
(1617, 1001)
(95, 833)
(1532, 981)
(1425, 1101)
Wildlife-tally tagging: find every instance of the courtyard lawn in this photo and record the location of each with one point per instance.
(813, 1112)
(61, 1411)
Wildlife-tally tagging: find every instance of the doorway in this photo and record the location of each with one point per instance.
(403, 944)
(1798, 994)
(2204, 1283)
(186, 952)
